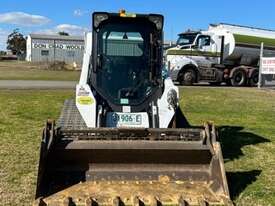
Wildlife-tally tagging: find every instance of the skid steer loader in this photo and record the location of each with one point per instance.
(124, 140)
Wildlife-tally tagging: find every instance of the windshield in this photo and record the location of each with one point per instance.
(185, 39)
(124, 75)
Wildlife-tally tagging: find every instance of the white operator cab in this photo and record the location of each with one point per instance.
(121, 83)
(124, 140)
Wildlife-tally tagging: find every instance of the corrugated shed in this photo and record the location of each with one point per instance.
(50, 48)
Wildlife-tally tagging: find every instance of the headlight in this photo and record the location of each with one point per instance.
(157, 20)
(98, 18)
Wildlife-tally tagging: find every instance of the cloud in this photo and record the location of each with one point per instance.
(23, 19)
(69, 28)
(79, 12)
(3, 38)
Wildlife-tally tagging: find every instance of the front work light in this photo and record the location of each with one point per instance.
(123, 13)
(157, 20)
(99, 17)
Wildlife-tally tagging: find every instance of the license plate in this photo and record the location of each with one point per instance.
(127, 119)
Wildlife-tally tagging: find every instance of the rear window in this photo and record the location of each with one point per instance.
(122, 44)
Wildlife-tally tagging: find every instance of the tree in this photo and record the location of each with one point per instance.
(16, 42)
(63, 33)
(2, 53)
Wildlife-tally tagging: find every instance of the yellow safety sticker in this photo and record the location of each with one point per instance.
(85, 100)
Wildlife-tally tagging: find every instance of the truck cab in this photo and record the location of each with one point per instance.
(193, 58)
(224, 53)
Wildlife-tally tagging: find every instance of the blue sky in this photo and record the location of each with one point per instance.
(51, 16)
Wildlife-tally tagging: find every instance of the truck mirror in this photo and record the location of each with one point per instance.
(200, 46)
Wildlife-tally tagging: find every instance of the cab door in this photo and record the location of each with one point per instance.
(204, 51)
(204, 43)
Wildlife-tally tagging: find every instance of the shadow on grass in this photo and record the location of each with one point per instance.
(233, 138)
(238, 181)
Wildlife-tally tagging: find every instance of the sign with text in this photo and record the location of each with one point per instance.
(268, 65)
(57, 46)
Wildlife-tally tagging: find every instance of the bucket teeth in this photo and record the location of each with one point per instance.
(69, 202)
(138, 202)
(41, 202)
(156, 201)
(117, 201)
(127, 201)
(182, 202)
(203, 203)
(91, 202)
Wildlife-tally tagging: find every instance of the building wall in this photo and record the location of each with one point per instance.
(29, 49)
(73, 52)
(50, 50)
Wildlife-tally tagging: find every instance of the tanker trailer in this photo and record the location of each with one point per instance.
(223, 53)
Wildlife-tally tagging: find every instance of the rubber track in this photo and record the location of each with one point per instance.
(70, 118)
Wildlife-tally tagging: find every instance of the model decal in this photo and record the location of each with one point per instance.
(84, 100)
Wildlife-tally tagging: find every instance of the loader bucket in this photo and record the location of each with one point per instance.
(115, 166)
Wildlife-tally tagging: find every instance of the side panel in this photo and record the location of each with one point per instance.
(85, 100)
(177, 62)
(166, 109)
(205, 61)
(86, 104)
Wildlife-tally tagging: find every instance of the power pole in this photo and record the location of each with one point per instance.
(260, 67)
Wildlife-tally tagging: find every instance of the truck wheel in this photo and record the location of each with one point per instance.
(238, 78)
(253, 81)
(188, 77)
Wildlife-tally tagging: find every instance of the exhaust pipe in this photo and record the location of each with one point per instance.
(222, 50)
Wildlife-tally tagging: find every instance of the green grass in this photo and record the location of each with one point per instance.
(246, 118)
(20, 70)
(23, 114)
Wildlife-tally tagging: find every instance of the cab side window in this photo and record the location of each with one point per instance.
(203, 40)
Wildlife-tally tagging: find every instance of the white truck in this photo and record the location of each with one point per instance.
(223, 53)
